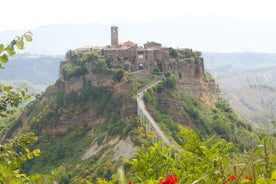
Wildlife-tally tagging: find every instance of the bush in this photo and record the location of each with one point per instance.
(173, 53)
(118, 75)
(70, 70)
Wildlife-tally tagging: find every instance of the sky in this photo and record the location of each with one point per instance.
(28, 14)
(205, 25)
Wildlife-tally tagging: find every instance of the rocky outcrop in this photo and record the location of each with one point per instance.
(190, 76)
(192, 79)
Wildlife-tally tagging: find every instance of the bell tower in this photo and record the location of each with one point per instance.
(114, 36)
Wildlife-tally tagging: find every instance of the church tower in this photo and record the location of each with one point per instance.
(114, 36)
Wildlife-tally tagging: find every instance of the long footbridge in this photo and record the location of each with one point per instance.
(146, 118)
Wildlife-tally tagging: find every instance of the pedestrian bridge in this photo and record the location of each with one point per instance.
(146, 118)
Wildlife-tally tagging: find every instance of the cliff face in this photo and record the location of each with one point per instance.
(85, 99)
(192, 79)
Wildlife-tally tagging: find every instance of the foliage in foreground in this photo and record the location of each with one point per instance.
(11, 97)
(204, 162)
(12, 154)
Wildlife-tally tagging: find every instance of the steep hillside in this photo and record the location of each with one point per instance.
(247, 80)
(86, 122)
(169, 105)
(253, 95)
(86, 118)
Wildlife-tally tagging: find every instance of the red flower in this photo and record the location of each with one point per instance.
(170, 179)
(163, 181)
(231, 178)
(130, 182)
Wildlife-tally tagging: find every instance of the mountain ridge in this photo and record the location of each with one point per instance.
(247, 81)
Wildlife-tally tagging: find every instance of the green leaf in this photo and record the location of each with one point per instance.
(28, 36)
(20, 44)
(23, 93)
(273, 175)
(2, 47)
(7, 88)
(13, 42)
(10, 50)
(4, 58)
(36, 152)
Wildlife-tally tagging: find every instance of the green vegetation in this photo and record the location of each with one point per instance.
(118, 75)
(6, 123)
(127, 66)
(10, 49)
(169, 82)
(69, 147)
(187, 54)
(15, 151)
(76, 63)
(173, 53)
(186, 161)
(143, 82)
(221, 120)
(253, 98)
(48, 114)
(70, 70)
(204, 161)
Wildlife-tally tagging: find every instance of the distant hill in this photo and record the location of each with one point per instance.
(203, 33)
(248, 81)
(226, 64)
(38, 72)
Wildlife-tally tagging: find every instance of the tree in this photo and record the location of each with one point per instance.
(198, 54)
(11, 97)
(12, 154)
(15, 151)
(173, 53)
(127, 66)
(9, 50)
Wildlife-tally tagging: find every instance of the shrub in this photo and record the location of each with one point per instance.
(118, 75)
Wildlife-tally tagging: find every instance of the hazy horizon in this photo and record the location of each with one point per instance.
(205, 34)
(204, 25)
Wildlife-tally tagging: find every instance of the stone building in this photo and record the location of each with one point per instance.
(152, 56)
(114, 36)
(147, 58)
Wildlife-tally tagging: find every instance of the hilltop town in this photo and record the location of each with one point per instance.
(152, 57)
